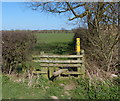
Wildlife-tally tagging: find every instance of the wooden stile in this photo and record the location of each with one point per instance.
(55, 65)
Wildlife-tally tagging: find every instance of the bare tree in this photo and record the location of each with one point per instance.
(100, 17)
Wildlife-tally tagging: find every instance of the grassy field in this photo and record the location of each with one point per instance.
(49, 38)
(61, 89)
(44, 89)
(57, 43)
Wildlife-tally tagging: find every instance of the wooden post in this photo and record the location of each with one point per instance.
(48, 68)
(83, 64)
(51, 68)
(43, 69)
(78, 52)
(78, 46)
(55, 68)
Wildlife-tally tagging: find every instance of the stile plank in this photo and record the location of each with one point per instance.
(67, 73)
(39, 72)
(60, 71)
(60, 65)
(58, 61)
(57, 56)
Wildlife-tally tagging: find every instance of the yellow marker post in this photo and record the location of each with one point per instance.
(78, 53)
(78, 45)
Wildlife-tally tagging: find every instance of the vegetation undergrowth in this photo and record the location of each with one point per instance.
(44, 89)
(95, 90)
(17, 86)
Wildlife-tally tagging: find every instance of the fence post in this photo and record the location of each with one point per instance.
(78, 52)
(78, 46)
(83, 64)
(48, 69)
(44, 69)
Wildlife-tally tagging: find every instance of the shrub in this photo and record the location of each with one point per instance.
(101, 47)
(16, 49)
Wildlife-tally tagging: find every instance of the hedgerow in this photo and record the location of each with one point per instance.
(16, 49)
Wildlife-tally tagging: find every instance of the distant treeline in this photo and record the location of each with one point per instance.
(45, 31)
(54, 31)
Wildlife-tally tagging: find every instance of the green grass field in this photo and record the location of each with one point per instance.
(44, 89)
(49, 38)
(57, 43)
(61, 88)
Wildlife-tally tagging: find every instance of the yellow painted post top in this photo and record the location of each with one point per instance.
(78, 45)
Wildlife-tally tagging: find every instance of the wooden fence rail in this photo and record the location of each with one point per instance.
(60, 65)
(58, 61)
(57, 56)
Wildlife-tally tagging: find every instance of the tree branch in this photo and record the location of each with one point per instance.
(80, 16)
(72, 8)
